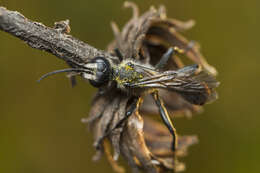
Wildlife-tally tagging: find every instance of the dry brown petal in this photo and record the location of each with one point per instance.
(113, 163)
(134, 139)
(115, 135)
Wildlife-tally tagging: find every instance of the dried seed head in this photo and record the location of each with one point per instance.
(144, 143)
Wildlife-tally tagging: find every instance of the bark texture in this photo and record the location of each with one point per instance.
(53, 40)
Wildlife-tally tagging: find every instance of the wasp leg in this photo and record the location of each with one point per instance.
(118, 54)
(166, 119)
(133, 107)
(164, 58)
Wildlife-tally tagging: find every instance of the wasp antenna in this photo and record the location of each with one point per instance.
(61, 71)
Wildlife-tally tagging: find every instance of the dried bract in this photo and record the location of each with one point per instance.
(143, 142)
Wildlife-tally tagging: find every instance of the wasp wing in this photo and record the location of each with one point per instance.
(193, 84)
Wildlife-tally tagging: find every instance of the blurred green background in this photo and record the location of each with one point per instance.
(40, 128)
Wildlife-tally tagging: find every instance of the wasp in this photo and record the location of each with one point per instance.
(138, 79)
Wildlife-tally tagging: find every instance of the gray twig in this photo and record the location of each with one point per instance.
(53, 40)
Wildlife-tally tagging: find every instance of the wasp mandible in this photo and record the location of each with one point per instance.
(138, 79)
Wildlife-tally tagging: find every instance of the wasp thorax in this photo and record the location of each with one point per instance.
(101, 70)
(126, 74)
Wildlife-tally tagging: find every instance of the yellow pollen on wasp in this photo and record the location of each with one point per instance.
(127, 67)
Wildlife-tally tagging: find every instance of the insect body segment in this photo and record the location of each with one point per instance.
(126, 73)
(101, 69)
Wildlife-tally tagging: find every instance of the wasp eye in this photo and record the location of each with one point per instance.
(102, 73)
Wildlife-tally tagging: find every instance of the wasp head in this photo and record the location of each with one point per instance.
(97, 71)
(100, 71)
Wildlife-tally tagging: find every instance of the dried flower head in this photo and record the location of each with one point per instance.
(139, 76)
(144, 143)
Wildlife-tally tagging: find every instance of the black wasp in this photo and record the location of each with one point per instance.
(138, 79)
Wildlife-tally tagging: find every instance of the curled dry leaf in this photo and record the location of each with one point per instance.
(144, 143)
